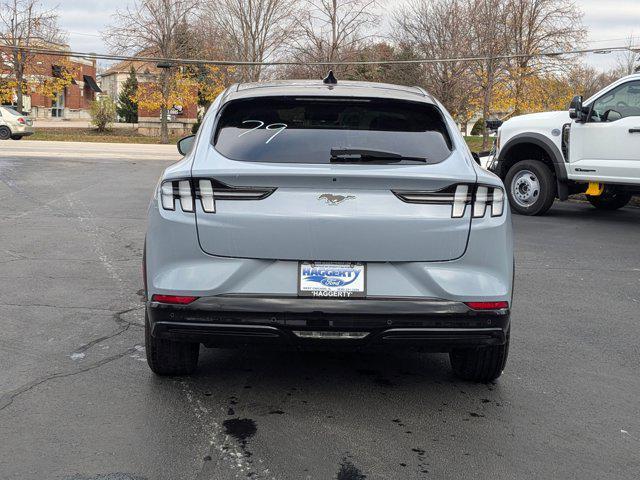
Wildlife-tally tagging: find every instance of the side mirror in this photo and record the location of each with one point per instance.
(575, 109)
(476, 157)
(186, 144)
(494, 125)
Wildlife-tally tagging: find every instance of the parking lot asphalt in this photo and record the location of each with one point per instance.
(77, 400)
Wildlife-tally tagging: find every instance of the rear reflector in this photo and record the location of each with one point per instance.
(173, 299)
(487, 305)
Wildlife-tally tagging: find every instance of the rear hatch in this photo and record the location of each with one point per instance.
(331, 179)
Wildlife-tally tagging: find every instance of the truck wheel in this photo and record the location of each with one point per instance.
(610, 199)
(5, 133)
(166, 357)
(483, 364)
(531, 187)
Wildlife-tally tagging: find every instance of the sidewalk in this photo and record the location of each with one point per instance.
(88, 151)
(59, 123)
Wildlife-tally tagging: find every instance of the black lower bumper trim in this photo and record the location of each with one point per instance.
(219, 323)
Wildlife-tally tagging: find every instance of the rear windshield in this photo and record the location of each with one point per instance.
(306, 129)
(12, 111)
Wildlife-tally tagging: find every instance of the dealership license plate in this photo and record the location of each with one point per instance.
(332, 280)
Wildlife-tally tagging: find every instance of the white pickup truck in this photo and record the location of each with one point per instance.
(592, 148)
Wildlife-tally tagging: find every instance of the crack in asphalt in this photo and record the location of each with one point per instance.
(8, 398)
(117, 317)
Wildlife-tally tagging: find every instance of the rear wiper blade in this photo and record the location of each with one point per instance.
(366, 155)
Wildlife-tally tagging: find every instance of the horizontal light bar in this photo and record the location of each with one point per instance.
(459, 196)
(324, 335)
(208, 191)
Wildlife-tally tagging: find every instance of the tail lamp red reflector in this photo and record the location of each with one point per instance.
(173, 299)
(21, 121)
(487, 305)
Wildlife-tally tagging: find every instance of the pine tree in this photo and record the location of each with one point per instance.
(127, 108)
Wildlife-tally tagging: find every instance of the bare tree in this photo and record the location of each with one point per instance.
(158, 27)
(439, 29)
(253, 30)
(628, 61)
(334, 30)
(25, 24)
(586, 80)
(535, 26)
(410, 74)
(488, 30)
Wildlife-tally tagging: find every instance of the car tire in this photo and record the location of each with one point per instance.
(531, 187)
(5, 133)
(16, 137)
(167, 357)
(483, 364)
(610, 199)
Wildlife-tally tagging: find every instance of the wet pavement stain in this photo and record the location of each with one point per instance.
(398, 422)
(476, 415)
(242, 429)
(348, 471)
(276, 412)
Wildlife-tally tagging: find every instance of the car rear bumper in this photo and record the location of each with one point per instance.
(23, 130)
(227, 321)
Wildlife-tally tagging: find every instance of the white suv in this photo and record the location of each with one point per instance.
(594, 148)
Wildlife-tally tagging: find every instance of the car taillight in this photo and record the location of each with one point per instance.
(487, 305)
(173, 299)
(207, 191)
(481, 197)
(21, 121)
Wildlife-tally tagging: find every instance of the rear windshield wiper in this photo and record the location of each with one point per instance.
(348, 155)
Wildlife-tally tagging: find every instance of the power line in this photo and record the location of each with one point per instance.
(84, 34)
(190, 61)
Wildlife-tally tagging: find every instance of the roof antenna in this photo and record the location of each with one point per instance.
(330, 79)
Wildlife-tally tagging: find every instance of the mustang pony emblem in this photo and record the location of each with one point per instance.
(334, 199)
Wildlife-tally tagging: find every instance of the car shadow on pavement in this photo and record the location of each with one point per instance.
(268, 372)
(324, 410)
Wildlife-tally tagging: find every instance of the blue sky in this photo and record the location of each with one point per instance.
(611, 20)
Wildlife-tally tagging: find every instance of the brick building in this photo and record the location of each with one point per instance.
(74, 100)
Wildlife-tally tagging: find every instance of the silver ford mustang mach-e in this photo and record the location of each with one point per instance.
(310, 213)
